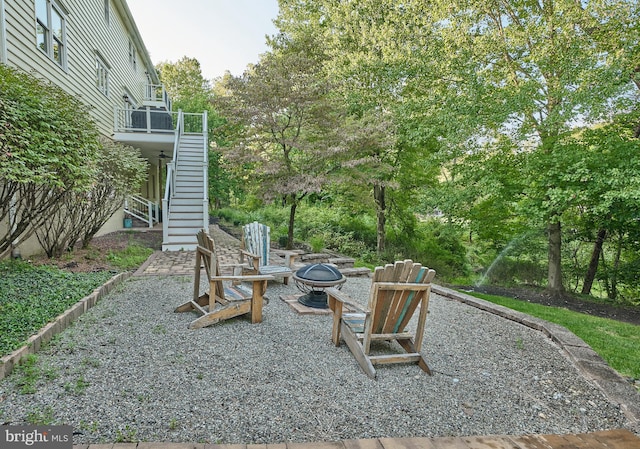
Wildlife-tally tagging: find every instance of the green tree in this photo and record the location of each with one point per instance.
(367, 47)
(283, 124)
(546, 68)
(48, 146)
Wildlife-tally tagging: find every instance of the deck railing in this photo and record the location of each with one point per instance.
(143, 209)
(157, 93)
(151, 120)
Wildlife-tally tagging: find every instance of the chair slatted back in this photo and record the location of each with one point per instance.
(256, 239)
(209, 259)
(397, 290)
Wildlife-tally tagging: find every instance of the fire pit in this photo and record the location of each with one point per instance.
(313, 280)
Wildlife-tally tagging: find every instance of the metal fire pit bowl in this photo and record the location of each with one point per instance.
(313, 280)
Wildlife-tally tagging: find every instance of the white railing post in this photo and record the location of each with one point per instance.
(148, 119)
(205, 174)
(165, 220)
(150, 212)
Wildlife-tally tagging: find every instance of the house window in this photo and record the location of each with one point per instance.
(102, 75)
(50, 30)
(133, 58)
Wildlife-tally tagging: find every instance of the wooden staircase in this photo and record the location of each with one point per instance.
(187, 213)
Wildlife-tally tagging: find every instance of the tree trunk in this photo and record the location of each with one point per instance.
(292, 216)
(590, 275)
(605, 275)
(378, 196)
(614, 272)
(555, 258)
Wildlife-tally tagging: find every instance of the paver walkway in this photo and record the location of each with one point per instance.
(172, 263)
(610, 439)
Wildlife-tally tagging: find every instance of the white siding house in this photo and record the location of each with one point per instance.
(93, 50)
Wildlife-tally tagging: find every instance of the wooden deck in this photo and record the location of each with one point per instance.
(609, 439)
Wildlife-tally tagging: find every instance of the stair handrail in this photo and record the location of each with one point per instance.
(170, 186)
(141, 208)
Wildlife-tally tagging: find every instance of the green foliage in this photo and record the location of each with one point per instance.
(131, 257)
(281, 124)
(434, 244)
(79, 215)
(31, 296)
(28, 374)
(126, 435)
(232, 215)
(48, 146)
(617, 343)
(48, 135)
(41, 417)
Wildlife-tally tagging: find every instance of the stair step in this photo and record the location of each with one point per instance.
(356, 272)
(342, 262)
(183, 234)
(190, 173)
(187, 208)
(187, 199)
(187, 180)
(315, 258)
(186, 215)
(180, 246)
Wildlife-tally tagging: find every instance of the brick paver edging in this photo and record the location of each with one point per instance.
(590, 364)
(8, 362)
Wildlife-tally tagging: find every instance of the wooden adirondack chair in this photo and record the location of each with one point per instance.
(255, 248)
(396, 292)
(222, 302)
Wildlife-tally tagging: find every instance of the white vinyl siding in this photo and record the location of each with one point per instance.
(86, 35)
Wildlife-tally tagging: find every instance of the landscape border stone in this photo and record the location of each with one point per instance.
(60, 323)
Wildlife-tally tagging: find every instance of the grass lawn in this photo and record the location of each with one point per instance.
(617, 343)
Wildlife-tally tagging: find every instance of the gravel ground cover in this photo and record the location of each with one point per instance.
(130, 370)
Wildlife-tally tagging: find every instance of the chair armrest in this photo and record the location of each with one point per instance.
(344, 299)
(248, 278)
(337, 301)
(248, 254)
(254, 259)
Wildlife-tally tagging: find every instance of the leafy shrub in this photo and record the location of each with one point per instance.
(433, 244)
(48, 146)
(232, 215)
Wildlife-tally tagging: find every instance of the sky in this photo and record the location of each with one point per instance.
(221, 34)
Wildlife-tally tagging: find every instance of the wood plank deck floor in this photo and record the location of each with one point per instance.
(609, 439)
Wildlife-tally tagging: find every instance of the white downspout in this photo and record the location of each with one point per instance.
(3, 35)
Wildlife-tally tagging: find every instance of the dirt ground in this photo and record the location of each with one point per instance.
(95, 258)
